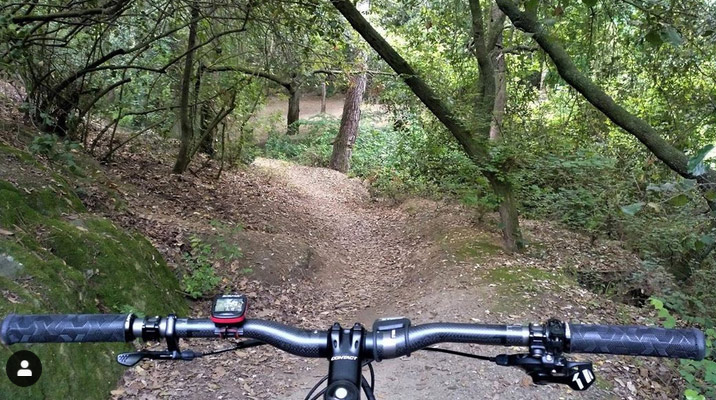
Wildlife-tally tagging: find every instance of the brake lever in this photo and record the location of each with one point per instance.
(131, 359)
(550, 369)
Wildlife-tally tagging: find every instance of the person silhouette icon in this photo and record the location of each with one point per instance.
(24, 371)
(23, 368)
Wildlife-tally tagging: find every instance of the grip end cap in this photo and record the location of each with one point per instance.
(4, 328)
(700, 344)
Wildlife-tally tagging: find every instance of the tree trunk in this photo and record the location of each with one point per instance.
(509, 220)
(323, 97)
(500, 98)
(509, 217)
(500, 66)
(293, 110)
(207, 143)
(543, 82)
(343, 144)
(184, 118)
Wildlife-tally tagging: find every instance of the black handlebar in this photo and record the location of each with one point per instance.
(299, 342)
(65, 328)
(625, 340)
(638, 341)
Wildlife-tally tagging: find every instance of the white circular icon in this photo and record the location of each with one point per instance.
(24, 371)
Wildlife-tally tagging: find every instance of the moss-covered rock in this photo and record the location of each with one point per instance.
(57, 258)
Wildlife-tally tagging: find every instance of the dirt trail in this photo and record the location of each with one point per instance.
(324, 251)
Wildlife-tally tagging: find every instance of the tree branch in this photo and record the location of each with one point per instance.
(519, 49)
(99, 95)
(253, 72)
(645, 133)
(26, 19)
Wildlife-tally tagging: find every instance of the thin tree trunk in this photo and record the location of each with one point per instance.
(348, 132)
(223, 149)
(293, 110)
(323, 97)
(207, 143)
(491, 107)
(508, 213)
(500, 66)
(500, 99)
(184, 118)
(543, 96)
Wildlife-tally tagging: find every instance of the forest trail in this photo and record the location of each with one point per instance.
(322, 250)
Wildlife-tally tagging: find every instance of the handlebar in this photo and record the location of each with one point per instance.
(380, 344)
(64, 328)
(638, 341)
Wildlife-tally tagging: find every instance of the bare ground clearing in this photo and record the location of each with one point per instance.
(273, 115)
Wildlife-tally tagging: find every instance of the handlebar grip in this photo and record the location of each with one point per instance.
(638, 341)
(66, 328)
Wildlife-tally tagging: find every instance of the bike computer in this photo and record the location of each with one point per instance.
(228, 309)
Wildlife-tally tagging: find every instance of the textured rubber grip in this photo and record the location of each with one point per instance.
(64, 328)
(638, 341)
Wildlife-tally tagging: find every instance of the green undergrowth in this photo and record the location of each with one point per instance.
(55, 257)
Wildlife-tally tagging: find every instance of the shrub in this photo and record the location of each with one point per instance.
(50, 147)
(700, 376)
(200, 277)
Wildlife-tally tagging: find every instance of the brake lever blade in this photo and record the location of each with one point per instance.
(130, 359)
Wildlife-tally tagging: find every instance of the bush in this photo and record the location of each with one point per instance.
(582, 190)
(700, 376)
(54, 150)
(200, 277)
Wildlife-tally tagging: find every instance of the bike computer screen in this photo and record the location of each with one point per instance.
(228, 309)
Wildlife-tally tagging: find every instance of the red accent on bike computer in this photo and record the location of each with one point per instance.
(228, 309)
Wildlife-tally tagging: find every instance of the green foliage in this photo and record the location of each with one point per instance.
(700, 376)
(668, 321)
(200, 278)
(582, 190)
(632, 209)
(49, 146)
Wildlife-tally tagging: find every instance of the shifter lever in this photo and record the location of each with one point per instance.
(551, 369)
